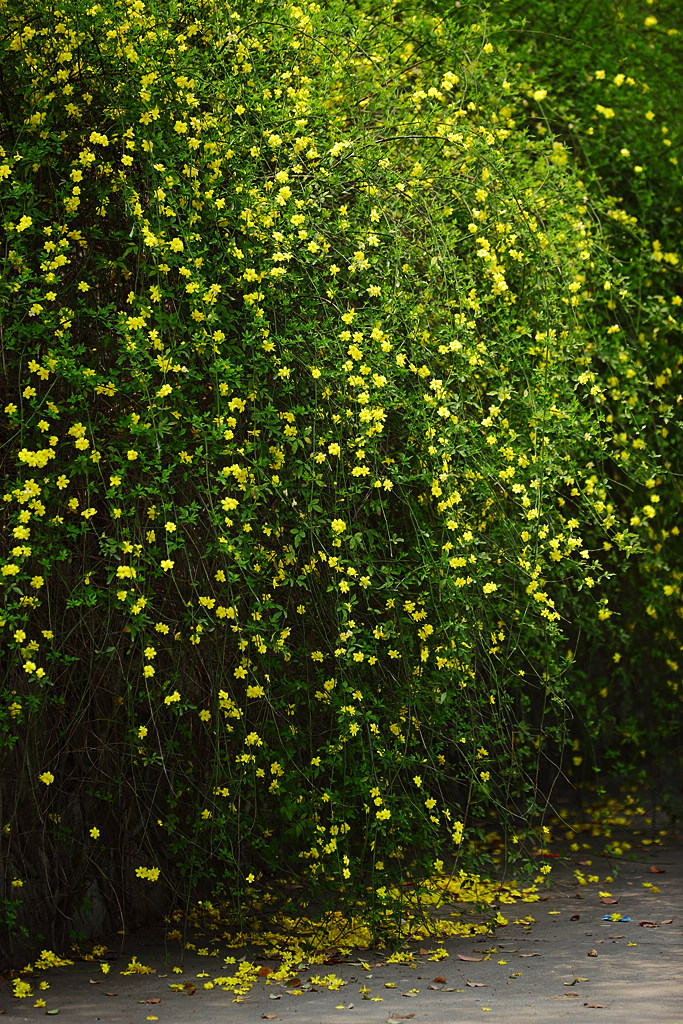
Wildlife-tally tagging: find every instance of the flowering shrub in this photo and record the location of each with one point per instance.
(328, 432)
(619, 116)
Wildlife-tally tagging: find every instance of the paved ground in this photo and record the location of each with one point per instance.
(569, 965)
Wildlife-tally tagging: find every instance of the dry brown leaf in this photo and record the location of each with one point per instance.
(607, 900)
(593, 952)
(268, 1016)
(424, 952)
(293, 982)
(669, 920)
(648, 924)
(575, 917)
(469, 959)
(264, 971)
(439, 980)
(475, 984)
(596, 1006)
(530, 954)
(155, 1000)
(95, 982)
(654, 870)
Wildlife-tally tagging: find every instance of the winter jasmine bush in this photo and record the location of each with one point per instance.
(328, 435)
(616, 108)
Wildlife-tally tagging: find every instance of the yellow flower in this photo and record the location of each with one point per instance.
(151, 874)
(338, 525)
(95, 833)
(47, 778)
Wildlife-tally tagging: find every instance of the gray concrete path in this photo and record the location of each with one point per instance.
(569, 965)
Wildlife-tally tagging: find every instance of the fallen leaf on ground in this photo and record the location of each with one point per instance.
(654, 870)
(424, 952)
(648, 924)
(530, 954)
(475, 984)
(469, 959)
(596, 1006)
(155, 1000)
(593, 952)
(95, 982)
(264, 971)
(439, 980)
(575, 980)
(111, 993)
(268, 1016)
(669, 920)
(575, 917)
(608, 901)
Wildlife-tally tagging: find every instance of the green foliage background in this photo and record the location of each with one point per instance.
(341, 356)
